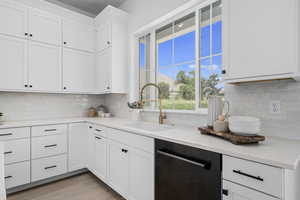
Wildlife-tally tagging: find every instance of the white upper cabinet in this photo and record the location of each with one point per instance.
(112, 48)
(13, 19)
(44, 67)
(44, 27)
(13, 62)
(260, 40)
(104, 39)
(78, 71)
(103, 71)
(79, 36)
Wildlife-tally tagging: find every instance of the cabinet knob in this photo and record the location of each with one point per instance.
(65, 42)
(90, 127)
(26, 34)
(30, 86)
(65, 88)
(225, 192)
(223, 71)
(108, 42)
(124, 150)
(108, 87)
(26, 85)
(30, 35)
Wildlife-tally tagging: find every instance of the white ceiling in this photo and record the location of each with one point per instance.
(87, 7)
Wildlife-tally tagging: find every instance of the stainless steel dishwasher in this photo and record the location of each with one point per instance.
(186, 173)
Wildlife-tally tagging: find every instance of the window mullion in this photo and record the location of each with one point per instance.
(197, 61)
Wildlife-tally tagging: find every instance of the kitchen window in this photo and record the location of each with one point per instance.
(184, 57)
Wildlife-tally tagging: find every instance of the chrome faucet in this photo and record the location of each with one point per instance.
(140, 104)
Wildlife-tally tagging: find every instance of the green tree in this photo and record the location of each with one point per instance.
(209, 86)
(165, 90)
(186, 85)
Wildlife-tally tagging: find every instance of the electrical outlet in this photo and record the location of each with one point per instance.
(275, 107)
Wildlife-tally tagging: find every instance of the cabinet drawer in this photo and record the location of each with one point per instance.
(48, 146)
(14, 133)
(17, 174)
(49, 167)
(235, 191)
(132, 140)
(253, 175)
(48, 130)
(16, 150)
(99, 130)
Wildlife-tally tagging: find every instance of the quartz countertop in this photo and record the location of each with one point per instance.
(278, 152)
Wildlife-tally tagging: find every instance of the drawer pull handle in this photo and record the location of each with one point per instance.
(50, 130)
(7, 134)
(99, 138)
(98, 130)
(8, 152)
(225, 192)
(8, 177)
(50, 167)
(248, 175)
(52, 145)
(124, 150)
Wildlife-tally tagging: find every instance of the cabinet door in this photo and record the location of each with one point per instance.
(91, 149)
(13, 19)
(78, 71)
(141, 175)
(79, 36)
(118, 168)
(238, 192)
(44, 27)
(13, 63)
(104, 36)
(100, 157)
(78, 157)
(260, 43)
(103, 71)
(44, 67)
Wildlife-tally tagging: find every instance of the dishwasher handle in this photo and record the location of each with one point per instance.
(202, 164)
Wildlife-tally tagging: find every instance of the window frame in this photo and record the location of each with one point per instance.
(159, 23)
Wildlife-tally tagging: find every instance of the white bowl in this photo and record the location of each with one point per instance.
(244, 125)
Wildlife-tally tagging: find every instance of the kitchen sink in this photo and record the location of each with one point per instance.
(147, 126)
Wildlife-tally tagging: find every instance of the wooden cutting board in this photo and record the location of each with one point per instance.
(233, 138)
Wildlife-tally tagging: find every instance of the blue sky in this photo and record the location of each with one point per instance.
(184, 52)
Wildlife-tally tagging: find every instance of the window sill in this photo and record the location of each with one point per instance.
(190, 112)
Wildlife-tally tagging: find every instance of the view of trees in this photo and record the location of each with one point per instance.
(185, 84)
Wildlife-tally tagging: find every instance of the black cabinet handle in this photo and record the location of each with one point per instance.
(223, 71)
(7, 134)
(50, 130)
(248, 175)
(8, 152)
(225, 192)
(30, 86)
(108, 42)
(50, 167)
(98, 130)
(30, 35)
(65, 42)
(26, 34)
(26, 85)
(90, 127)
(65, 88)
(108, 87)
(7, 177)
(52, 145)
(124, 150)
(99, 138)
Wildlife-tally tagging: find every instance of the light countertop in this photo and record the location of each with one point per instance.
(274, 151)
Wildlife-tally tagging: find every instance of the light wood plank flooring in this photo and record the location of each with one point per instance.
(82, 187)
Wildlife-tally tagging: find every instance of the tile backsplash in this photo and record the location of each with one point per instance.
(33, 106)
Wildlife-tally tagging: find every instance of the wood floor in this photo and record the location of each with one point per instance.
(82, 187)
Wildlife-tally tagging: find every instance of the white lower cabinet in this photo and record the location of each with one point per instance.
(100, 148)
(17, 174)
(238, 192)
(141, 175)
(78, 146)
(48, 167)
(17, 150)
(118, 167)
